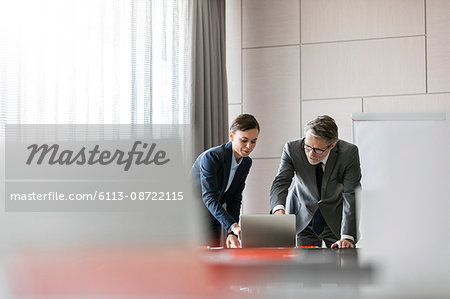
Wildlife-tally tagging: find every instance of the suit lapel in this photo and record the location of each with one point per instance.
(310, 170)
(331, 162)
(240, 170)
(226, 166)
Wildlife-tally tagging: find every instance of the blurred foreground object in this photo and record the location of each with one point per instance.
(405, 202)
(162, 272)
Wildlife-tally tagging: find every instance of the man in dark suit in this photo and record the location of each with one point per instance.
(220, 172)
(327, 173)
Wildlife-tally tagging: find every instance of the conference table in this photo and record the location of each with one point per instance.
(262, 269)
(170, 271)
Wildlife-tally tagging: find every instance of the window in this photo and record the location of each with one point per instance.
(93, 61)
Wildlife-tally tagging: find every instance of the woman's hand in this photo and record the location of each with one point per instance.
(236, 229)
(233, 241)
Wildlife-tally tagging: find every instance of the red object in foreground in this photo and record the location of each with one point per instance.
(143, 272)
(263, 254)
(109, 272)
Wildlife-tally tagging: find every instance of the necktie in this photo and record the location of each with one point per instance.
(317, 220)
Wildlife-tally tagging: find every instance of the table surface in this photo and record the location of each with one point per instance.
(168, 271)
(306, 265)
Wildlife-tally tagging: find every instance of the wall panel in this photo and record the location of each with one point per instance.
(272, 95)
(438, 45)
(363, 68)
(338, 20)
(233, 50)
(256, 197)
(270, 22)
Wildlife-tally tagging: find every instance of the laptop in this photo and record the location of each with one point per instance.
(264, 230)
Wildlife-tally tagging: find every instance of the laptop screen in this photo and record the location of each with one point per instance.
(264, 230)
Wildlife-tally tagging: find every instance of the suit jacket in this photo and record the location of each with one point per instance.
(340, 180)
(210, 174)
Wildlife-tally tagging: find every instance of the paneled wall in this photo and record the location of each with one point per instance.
(291, 60)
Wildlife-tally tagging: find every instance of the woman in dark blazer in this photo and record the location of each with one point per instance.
(220, 173)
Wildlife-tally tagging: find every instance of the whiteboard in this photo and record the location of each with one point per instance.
(405, 198)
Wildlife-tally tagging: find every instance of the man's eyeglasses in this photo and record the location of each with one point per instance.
(316, 150)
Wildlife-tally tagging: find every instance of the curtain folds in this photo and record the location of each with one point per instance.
(115, 61)
(208, 82)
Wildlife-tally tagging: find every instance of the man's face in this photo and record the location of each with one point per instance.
(319, 144)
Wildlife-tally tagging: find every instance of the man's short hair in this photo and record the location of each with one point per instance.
(323, 127)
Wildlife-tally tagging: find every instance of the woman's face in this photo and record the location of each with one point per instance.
(243, 142)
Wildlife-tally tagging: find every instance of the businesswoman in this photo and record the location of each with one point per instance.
(220, 173)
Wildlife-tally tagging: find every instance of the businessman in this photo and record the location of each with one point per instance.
(327, 173)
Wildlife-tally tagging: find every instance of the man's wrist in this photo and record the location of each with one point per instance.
(277, 208)
(348, 237)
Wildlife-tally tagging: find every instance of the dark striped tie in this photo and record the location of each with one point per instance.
(317, 220)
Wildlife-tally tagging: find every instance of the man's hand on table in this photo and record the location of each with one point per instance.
(344, 243)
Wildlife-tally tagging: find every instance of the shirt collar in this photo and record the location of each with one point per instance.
(324, 161)
(234, 163)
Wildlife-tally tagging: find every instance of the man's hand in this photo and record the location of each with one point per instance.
(344, 243)
(233, 242)
(279, 212)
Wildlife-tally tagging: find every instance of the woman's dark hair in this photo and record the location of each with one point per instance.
(244, 122)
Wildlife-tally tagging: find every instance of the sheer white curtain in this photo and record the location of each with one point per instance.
(93, 61)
